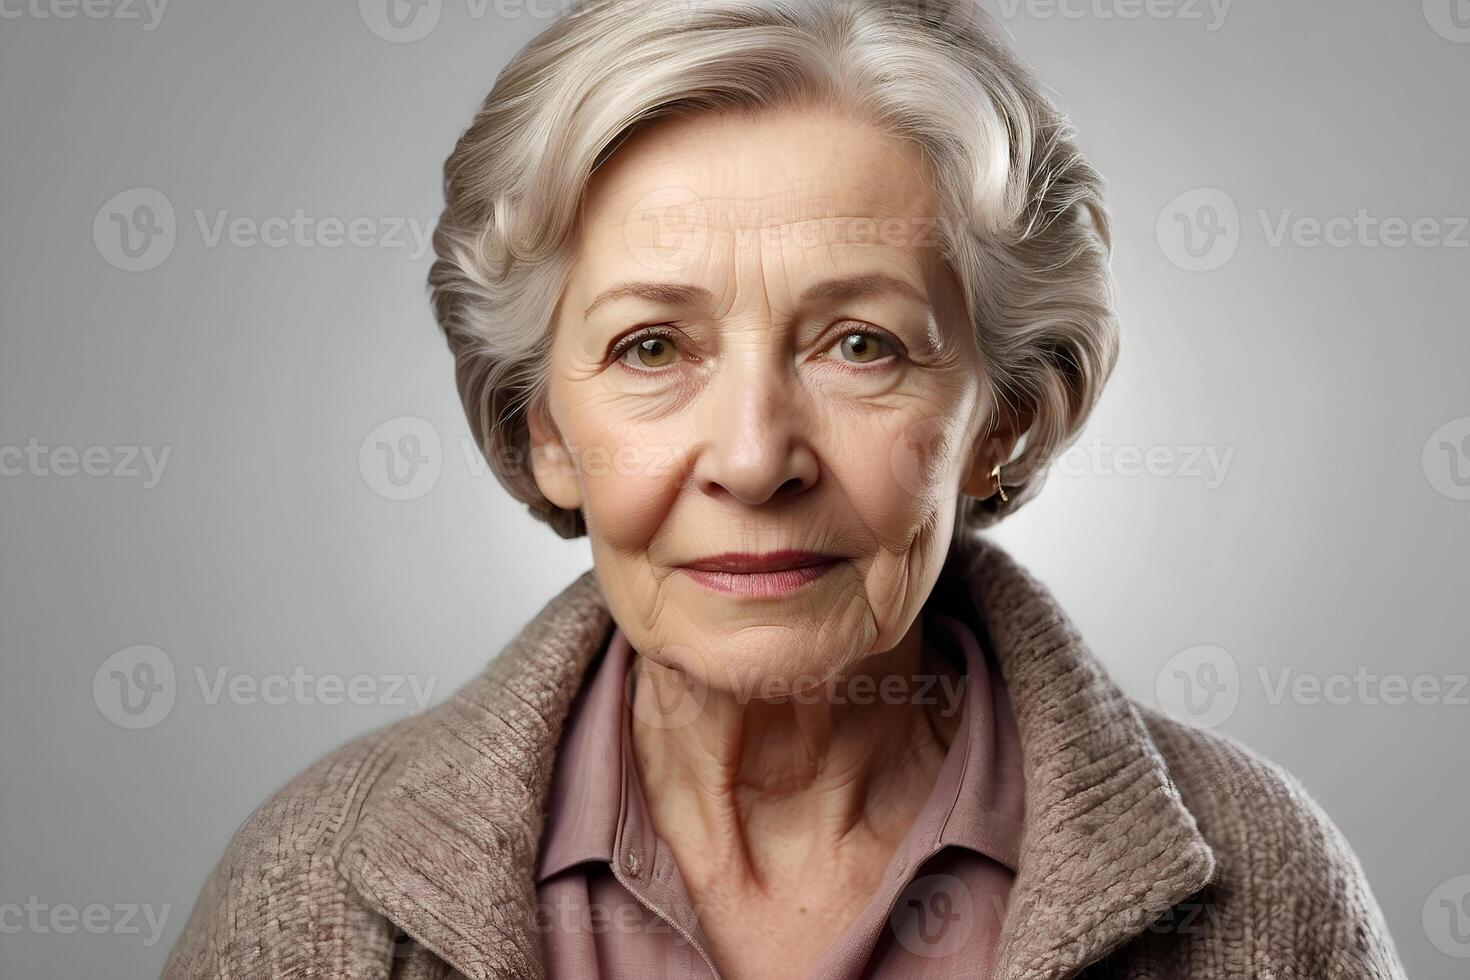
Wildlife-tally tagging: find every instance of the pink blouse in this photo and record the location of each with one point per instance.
(611, 902)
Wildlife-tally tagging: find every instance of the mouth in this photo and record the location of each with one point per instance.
(772, 573)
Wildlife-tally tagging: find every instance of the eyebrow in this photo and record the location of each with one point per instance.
(835, 290)
(666, 293)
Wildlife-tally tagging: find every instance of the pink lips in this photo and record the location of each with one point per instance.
(773, 573)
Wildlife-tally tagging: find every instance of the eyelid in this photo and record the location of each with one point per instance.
(897, 346)
(619, 350)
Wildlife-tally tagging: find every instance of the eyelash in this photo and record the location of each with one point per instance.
(620, 350)
(628, 343)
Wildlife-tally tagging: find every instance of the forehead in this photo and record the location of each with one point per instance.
(812, 187)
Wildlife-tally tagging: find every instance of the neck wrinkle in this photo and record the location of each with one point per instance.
(742, 775)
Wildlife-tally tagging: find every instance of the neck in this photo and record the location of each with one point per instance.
(759, 789)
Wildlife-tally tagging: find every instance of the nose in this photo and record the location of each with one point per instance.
(755, 423)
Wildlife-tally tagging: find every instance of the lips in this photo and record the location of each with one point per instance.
(746, 563)
(767, 575)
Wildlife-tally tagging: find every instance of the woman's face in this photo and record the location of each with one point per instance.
(759, 349)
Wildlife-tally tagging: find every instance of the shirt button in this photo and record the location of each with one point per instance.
(632, 864)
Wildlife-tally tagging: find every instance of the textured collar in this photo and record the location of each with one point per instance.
(1108, 844)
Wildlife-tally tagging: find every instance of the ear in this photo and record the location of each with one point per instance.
(992, 448)
(552, 464)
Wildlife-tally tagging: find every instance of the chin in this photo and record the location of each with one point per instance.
(765, 659)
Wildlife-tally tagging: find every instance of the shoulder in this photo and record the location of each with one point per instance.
(1282, 865)
(275, 898)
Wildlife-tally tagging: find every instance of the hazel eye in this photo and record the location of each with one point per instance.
(863, 347)
(648, 352)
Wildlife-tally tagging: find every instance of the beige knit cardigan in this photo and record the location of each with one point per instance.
(1150, 849)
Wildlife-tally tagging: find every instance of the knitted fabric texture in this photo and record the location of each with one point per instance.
(1150, 850)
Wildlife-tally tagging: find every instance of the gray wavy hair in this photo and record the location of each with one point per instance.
(1025, 230)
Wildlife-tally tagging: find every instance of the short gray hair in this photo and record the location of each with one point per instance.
(1026, 229)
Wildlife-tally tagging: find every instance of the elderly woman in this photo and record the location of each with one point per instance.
(781, 302)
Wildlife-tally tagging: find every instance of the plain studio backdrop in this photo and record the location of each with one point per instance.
(243, 520)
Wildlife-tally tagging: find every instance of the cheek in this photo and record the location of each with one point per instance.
(630, 479)
(902, 471)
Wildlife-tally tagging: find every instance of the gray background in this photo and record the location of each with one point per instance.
(1333, 543)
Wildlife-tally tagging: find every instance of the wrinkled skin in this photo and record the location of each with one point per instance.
(761, 416)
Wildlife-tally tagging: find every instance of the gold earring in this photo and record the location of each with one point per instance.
(1002, 490)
